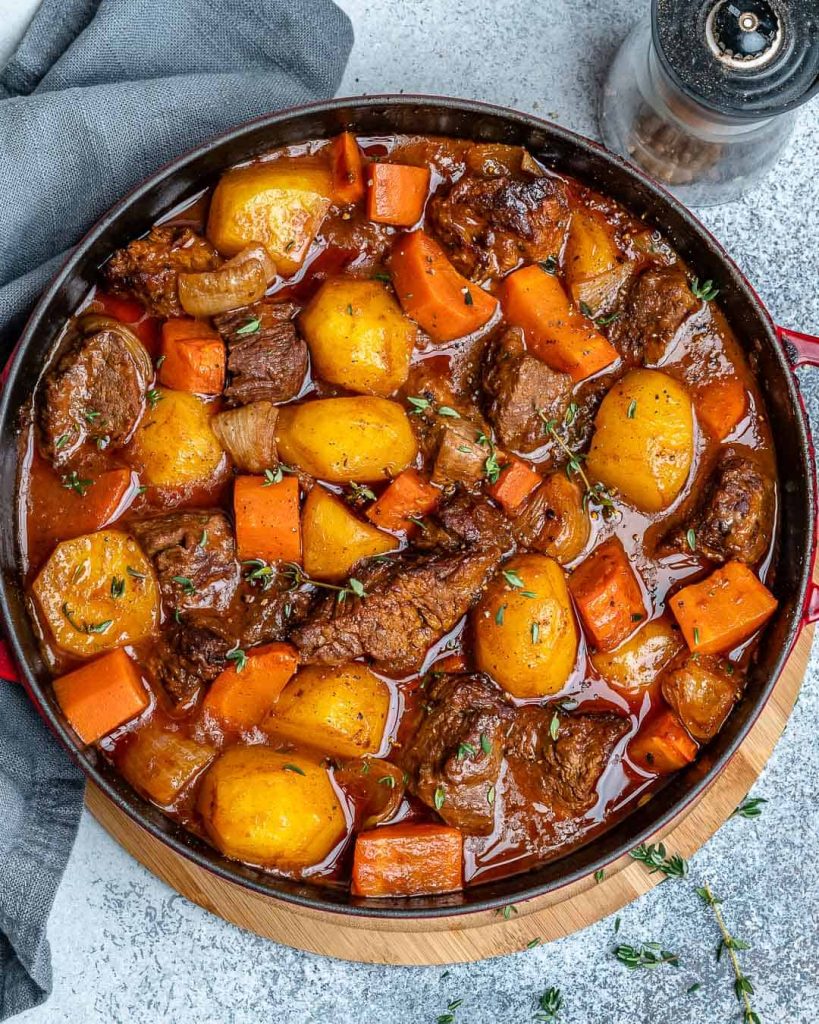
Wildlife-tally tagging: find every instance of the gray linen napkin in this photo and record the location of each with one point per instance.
(99, 94)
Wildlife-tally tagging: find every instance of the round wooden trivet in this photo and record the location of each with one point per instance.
(481, 935)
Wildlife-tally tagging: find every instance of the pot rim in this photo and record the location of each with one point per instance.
(223, 867)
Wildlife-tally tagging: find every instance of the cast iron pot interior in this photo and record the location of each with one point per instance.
(566, 152)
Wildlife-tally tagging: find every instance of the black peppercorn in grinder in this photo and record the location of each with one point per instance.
(704, 96)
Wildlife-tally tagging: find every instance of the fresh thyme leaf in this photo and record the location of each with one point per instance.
(486, 744)
(632, 408)
(357, 587)
(465, 750)
(90, 415)
(499, 615)
(585, 309)
(599, 875)
(117, 586)
(250, 327)
(177, 615)
(549, 265)
(696, 635)
(160, 361)
(186, 583)
(693, 988)
(535, 632)
(647, 955)
(387, 780)
(491, 467)
(238, 657)
(72, 482)
(490, 795)
(86, 627)
(532, 943)
(448, 411)
(507, 911)
(691, 538)
(512, 578)
(362, 491)
(153, 397)
(549, 1005)
(133, 572)
(61, 441)
(439, 798)
(289, 767)
(750, 808)
(418, 404)
(349, 309)
(706, 291)
(571, 413)
(554, 726)
(273, 476)
(382, 275)
(609, 318)
(468, 300)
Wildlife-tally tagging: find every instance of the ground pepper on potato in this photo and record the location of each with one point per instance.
(417, 517)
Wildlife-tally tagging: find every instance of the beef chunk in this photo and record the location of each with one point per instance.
(658, 303)
(465, 522)
(426, 382)
(411, 603)
(193, 649)
(268, 364)
(194, 555)
(96, 391)
(491, 225)
(735, 517)
(702, 689)
(461, 459)
(149, 267)
(520, 387)
(471, 739)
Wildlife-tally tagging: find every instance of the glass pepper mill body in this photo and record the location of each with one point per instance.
(704, 96)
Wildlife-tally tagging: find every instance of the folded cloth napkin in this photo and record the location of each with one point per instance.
(99, 94)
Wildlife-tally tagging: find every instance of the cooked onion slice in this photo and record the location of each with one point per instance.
(249, 435)
(376, 787)
(236, 283)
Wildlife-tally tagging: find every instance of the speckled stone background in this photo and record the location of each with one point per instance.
(127, 949)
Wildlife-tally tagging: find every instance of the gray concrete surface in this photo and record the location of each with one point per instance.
(127, 949)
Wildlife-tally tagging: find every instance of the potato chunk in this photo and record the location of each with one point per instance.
(358, 336)
(525, 632)
(339, 709)
(96, 592)
(275, 810)
(635, 664)
(345, 439)
(174, 445)
(643, 441)
(279, 204)
(161, 763)
(334, 538)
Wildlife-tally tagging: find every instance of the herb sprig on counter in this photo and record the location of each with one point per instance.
(743, 988)
(655, 859)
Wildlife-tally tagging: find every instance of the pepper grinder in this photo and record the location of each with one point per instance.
(703, 95)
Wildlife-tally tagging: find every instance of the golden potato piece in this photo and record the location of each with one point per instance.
(344, 439)
(280, 204)
(161, 763)
(334, 538)
(174, 445)
(643, 441)
(358, 336)
(339, 709)
(276, 810)
(525, 631)
(637, 662)
(96, 592)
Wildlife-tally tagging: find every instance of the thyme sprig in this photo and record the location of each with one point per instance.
(549, 1005)
(294, 572)
(750, 808)
(743, 989)
(705, 290)
(593, 492)
(655, 859)
(646, 955)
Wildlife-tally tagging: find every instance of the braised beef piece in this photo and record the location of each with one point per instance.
(148, 268)
(461, 457)
(411, 603)
(702, 689)
(491, 225)
(265, 364)
(734, 519)
(522, 390)
(470, 733)
(426, 383)
(464, 522)
(657, 304)
(193, 648)
(194, 555)
(95, 393)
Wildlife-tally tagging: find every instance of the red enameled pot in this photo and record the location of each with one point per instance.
(772, 353)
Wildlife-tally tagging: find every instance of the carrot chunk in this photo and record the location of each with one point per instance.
(240, 697)
(663, 745)
(57, 512)
(723, 610)
(607, 595)
(127, 311)
(433, 293)
(193, 358)
(515, 484)
(267, 519)
(397, 193)
(555, 331)
(721, 405)
(408, 495)
(346, 168)
(408, 860)
(101, 695)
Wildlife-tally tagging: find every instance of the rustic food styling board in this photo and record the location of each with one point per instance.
(483, 934)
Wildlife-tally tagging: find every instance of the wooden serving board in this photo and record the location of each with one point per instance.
(480, 935)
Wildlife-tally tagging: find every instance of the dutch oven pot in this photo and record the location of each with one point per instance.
(769, 355)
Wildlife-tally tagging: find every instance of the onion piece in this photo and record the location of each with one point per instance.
(376, 787)
(249, 435)
(240, 281)
(602, 292)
